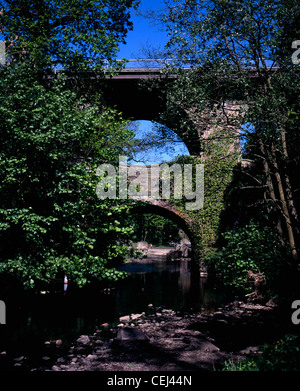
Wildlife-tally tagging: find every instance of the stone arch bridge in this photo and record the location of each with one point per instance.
(125, 92)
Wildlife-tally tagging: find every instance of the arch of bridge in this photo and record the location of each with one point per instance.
(125, 92)
(165, 209)
(156, 205)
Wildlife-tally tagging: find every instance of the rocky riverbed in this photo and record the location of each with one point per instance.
(163, 340)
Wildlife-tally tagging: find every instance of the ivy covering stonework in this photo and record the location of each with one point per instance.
(219, 162)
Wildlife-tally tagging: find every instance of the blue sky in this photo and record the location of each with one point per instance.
(143, 32)
(163, 151)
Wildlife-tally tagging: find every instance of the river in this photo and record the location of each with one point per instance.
(153, 282)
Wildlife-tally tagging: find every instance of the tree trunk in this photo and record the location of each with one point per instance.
(271, 189)
(286, 214)
(288, 187)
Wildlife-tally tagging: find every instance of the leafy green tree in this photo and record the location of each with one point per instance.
(73, 34)
(51, 220)
(52, 141)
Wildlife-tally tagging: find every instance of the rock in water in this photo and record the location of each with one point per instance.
(131, 334)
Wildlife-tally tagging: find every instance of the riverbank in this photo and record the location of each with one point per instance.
(164, 340)
(154, 253)
(160, 254)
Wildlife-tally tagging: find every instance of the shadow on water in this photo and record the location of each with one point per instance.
(31, 320)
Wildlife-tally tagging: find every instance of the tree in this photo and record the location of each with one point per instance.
(51, 221)
(73, 34)
(53, 139)
(154, 229)
(239, 53)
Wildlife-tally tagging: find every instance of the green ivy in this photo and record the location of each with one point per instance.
(219, 159)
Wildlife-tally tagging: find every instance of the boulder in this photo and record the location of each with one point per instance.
(84, 340)
(18, 359)
(124, 319)
(131, 334)
(91, 357)
(58, 343)
(137, 316)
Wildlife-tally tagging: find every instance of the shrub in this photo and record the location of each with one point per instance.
(250, 248)
(282, 355)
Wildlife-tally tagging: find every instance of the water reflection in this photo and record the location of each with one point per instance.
(161, 283)
(164, 283)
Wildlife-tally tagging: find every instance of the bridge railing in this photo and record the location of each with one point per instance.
(136, 63)
(146, 63)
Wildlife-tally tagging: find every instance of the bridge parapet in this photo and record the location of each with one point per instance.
(137, 66)
(147, 63)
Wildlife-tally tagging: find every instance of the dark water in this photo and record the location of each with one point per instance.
(32, 320)
(167, 284)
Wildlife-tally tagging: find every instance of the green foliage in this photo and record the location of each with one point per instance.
(250, 248)
(240, 366)
(74, 34)
(230, 32)
(219, 159)
(282, 355)
(154, 229)
(51, 220)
